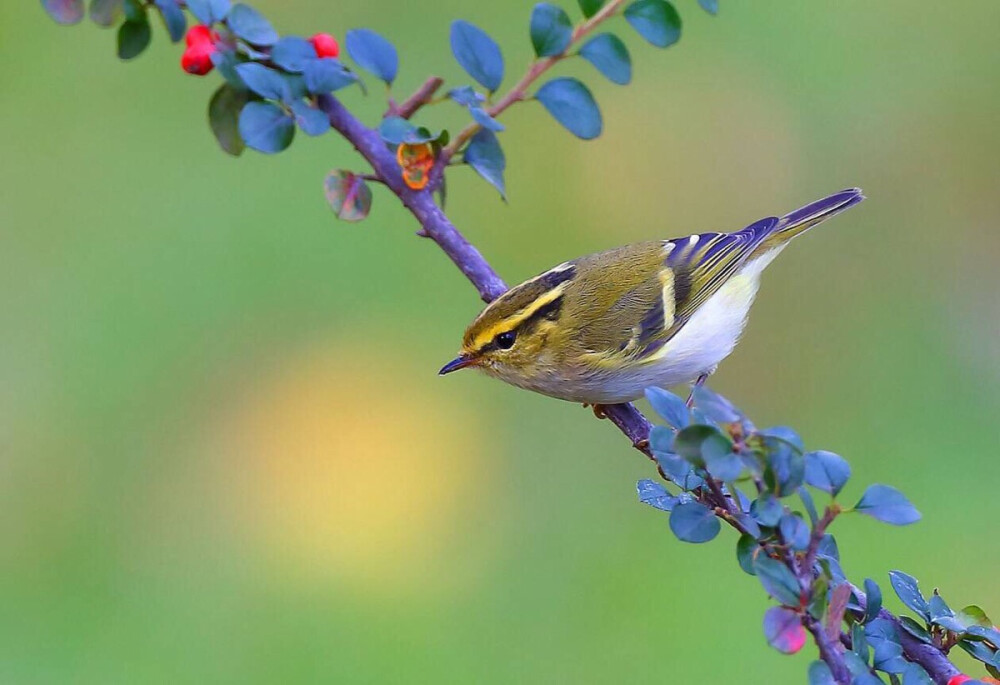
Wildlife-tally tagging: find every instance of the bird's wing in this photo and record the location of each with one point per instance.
(694, 268)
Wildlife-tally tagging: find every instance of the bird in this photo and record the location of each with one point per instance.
(603, 328)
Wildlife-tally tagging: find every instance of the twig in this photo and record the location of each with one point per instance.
(421, 96)
(537, 68)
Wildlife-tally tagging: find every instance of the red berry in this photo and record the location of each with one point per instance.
(959, 679)
(325, 45)
(200, 34)
(197, 59)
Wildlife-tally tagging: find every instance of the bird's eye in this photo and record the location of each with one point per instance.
(505, 340)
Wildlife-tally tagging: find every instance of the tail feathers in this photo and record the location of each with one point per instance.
(804, 218)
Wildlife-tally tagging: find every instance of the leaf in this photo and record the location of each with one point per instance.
(884, 639)
(485, 120)
(655, 495)
(908, 591)
(293, 53)
(978, 651)
(133, 38)
(973, 615)
(794, 531)
(710, 6)
(694, 522)
(678, 470)
(266, 127)
(466, 96)
(655, 20)
(477, 53)
(105, 12)
(572, 105)
(551, 29)
(887, 504)
(225, 61)
(840, 595)
(311, 120)
(785, 472)
(827, 471)
(767, 509)
(348, 194)
(373, 53)
(223, 116)
(669, 406)
(914, 674)
(720, 460)
(327, 75)
(485, 155)
(209, 12)
(783, 630)
(688, 442)
(915, 629)
(64, 11)
(859, 643)
(266, 82)
(609, 56)
(590, 7)
(809, 505)
(747, 550)
(777, 579)
(173, 19)
(820, 674)
(250, 25)
(873, 597)
(715, 406)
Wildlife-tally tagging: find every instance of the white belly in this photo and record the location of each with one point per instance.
(706, 339)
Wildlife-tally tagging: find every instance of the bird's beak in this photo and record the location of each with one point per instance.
(459, 362)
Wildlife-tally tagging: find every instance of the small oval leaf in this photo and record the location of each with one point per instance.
(266, 127)
(477, 53)
(551, 30)
(173, 18)
(224, 115)
(293, 53)
(784, 630)
(655, 20)
(133, 38)
(694, 522)
(64, 11)
(250, 25)
(609, 56)
(778, 580)
(571, 104)
(887, 504)
(266, 82)
(827, 471)
(590, 7)
(373, 53)
(311, 120)
(209, 12)
(348, 194)
(327, 75)
(485, 155)
(669, 406)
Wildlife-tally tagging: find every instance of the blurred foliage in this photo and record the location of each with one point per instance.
(227, 455)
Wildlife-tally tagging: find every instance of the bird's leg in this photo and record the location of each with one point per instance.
(694, 386)
(598, 410)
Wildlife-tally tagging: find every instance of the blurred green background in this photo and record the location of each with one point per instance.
(225, 452)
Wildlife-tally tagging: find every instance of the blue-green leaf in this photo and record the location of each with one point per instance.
(349, 196)
(485, 120)
(65, 11)
(266, 82)
(820, 674)
(678, 470)
(609, 56)
(173, 18)
(133, 38)
(908, 591)
(224, 115)
(312, 121)
(694, 522)
(767, 510)
(551, 29)
(395, 130)
(720, 460)
(250, 25)
(784, 630)
(914, 674)
(373, 53)
(655, 20)
(466, 96)
(873, 597)
(655, 495)
(785, 472)
(884, 640)
(778, 580)
(327, 75)
(485, 156)
(827, 471)
(590, 7)
(887, 504)
(209, 11)
(710, 6)
(293, 53)
(715, 406)
(266, 127)
(747, 549)
(669, 406)
(794, 531)
(477, 53)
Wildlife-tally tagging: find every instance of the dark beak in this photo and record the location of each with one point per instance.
(459, 362)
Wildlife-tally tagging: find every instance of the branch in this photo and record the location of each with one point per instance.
(537, 68)
(422, 96)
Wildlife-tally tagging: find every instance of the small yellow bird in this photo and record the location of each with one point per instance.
(601, 329)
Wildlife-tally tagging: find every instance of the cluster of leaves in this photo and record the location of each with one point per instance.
(719, 467)
(272, 83)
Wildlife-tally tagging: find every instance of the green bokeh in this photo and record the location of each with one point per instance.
(151, 289)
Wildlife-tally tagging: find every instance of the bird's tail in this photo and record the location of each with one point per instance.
(804, 218)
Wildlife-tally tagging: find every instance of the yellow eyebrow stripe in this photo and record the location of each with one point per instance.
(516, 319)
